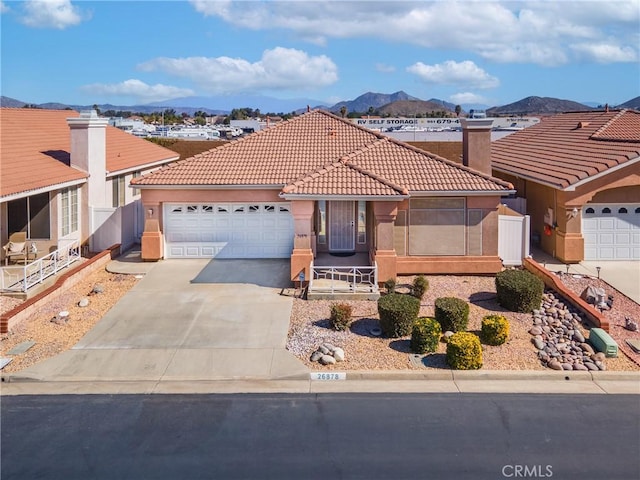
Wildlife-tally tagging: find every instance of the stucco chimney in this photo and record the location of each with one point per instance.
(89, 152)
(476, 143)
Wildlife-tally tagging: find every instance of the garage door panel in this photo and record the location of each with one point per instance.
(611, 232)
(228, 230)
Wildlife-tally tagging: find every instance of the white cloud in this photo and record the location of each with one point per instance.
(468, 97)
(384, 68)
(58, 14)
(3, 7)
(605, 53)
(280, 68)
(539, 31)
(454, 73)
(138, 89)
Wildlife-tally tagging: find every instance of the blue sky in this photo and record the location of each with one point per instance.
(493, 53)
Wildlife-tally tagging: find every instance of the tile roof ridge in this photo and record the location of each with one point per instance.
(345, 161)
(600, 133)
(451, 163)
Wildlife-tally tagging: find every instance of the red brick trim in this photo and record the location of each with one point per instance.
(66, 280)
(550, 280)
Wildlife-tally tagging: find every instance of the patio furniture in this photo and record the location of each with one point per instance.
(19, 248)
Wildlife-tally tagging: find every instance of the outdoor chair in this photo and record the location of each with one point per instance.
(19, 248)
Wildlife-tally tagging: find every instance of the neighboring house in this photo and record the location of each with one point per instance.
(318, 184)
(65, 175)
(580, 175)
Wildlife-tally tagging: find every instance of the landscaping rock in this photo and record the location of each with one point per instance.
(338, 354)
(536, 330)
(84, 302)
(324, 350)
(97, 288)
(554, 365)
(630, 325)
(315, 356)
(327, 360)
(588, 349)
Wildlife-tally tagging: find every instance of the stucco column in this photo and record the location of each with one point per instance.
(569, 239)
(302, 255)
(151, 244)
(384, 214)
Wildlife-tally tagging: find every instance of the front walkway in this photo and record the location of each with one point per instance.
(173, 326)
(624, 276)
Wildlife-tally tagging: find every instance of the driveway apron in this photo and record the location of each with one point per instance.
(183, 322)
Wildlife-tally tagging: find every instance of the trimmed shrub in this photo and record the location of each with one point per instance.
(464, 351)
(425, 335)
(452, 313)
(340, 317)
(519, 290)
(419, 286)
(495, 330)
(390, 285)
(397, 314)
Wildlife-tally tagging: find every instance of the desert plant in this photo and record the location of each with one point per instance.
(495, 330)
(340, 316)
(519, 290)
(464, 351)
(425, 335)
(452, 313)
(419, 286)
(397, 314)
(390, 285)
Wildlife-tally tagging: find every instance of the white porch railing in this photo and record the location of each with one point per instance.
(344, 279)
(17, 278)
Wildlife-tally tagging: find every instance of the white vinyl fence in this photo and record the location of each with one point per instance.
(513, 239)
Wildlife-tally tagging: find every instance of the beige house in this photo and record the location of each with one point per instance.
(580, 175)
(318, 186)
(64, 177)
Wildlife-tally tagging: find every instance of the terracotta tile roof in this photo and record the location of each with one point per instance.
(318, 153)
(567, 148)
(35, 143)
(125, 151)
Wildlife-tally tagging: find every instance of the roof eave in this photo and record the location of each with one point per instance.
(37, 191)
(207, 187)
(620, 166)
(462, 193)
(142, 166)
(298, 196)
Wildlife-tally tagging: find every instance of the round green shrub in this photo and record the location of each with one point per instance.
(452, 313)
(390, 285)
(340, 317)
(519, 290)
(397, 314)
(419, 286)
(464, 351)
(495, 330)
(425, 335)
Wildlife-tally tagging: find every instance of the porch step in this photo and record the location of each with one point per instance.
(324, 295)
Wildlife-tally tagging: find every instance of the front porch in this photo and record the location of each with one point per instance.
(348, 277)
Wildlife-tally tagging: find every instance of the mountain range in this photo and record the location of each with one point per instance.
(394, 104)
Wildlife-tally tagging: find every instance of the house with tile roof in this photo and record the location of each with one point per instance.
(580, 175)
(64, 175)
(318, 185)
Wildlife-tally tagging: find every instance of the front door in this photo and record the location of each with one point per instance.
(342, 221)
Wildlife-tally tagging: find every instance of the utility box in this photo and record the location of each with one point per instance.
(603, 342)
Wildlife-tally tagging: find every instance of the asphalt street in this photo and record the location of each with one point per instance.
(328, 436)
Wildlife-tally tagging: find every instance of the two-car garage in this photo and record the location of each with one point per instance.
(611, 231)
(228, 230)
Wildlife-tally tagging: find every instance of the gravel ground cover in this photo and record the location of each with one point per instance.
(310, 327)
(53, 338)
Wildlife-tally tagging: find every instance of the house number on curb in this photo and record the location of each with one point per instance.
(328, 376)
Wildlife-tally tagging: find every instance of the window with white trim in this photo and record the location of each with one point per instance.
(69, 210)
(119, 191)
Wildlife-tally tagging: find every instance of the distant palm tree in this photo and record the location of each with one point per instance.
(458, 110)
(343, 111)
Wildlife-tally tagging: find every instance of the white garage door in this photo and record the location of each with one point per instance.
(228, 230)
(611, 232)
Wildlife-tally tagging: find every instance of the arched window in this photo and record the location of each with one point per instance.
(638, 210)
(622, 210)
(606, 210)
(589, 210)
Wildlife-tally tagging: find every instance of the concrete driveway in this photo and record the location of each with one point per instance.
(185, 321)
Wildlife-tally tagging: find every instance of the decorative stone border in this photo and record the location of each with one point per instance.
(25, 310)
(550, 280)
